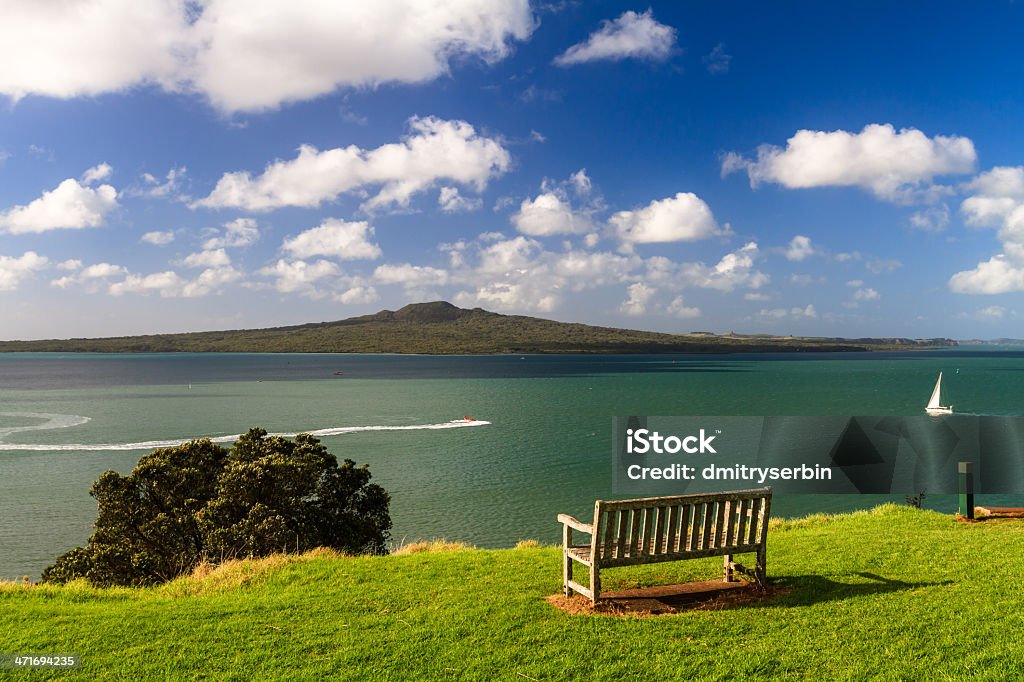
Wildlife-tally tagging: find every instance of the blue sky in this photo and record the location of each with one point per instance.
(841, 169)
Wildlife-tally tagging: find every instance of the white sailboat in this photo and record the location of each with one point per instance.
(935, 405)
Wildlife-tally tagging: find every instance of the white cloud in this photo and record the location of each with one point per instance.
(734, 270)
(298, 276)
(410, 275)
(717, 61)
(300, 50)
(91, 277)
(808, 312)
(801, 280)
(519, 275)
(632, 35)
(97, 173)
(997, 275)
(678, 308)
(451, 201)
(866, 294)
(209, 281)
(639, 295)
(509, 255)
(157, 238)
(168, 284)
(998, 201)
(684, 217)
(69, 205)
(799, 248)
(933, 219)
(241, 63)
(456, 252)
(796, 313)
(153, 187)
(856, 283)
(434, 150)
(510, 297)
(88, 47)
(895, 166)
(992, 312)
(773, 313)
(358, 295)
(15, 270)
(237, 233)
(579, 270)
(581, 182)
(879, 265)
(334, 238)
(862, 295)
(207, 259)
(549, 214)
(756, 296)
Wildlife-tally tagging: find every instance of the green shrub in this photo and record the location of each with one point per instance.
(200, 502)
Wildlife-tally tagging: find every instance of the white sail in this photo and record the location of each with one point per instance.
(936, 399)
(935, 406)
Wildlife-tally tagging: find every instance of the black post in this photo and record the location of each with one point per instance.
(966, 489)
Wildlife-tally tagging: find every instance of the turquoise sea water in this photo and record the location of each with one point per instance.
(546, 450)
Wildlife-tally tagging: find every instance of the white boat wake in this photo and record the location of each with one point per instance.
(63, 421)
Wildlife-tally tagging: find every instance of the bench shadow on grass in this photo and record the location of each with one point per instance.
(804, 590)
(795, 590)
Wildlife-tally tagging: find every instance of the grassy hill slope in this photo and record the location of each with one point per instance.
(895, 593)
(441, 328)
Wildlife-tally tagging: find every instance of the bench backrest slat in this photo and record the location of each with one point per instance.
(660, 519)
(672, 533)
(762, 520)
(705, 528)
(622, 528)
(651, 529)
(647, 536)
(730, 523)
(755, 519)
(742, 529)
(696, 519)
(610, 520)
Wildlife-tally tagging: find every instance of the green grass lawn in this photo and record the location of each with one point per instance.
(893, 593)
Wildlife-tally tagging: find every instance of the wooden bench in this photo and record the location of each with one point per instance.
(655, 529)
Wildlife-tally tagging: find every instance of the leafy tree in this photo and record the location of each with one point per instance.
(277, 493)
(200, 501)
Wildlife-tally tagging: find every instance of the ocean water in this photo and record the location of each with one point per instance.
(545, 447)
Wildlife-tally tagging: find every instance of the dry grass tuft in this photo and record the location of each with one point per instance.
(209, 577)
(529, 543)
(431, 546)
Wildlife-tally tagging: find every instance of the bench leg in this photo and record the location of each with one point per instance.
(727, 569)
(761, 570)
(566, 561)
(595, 582)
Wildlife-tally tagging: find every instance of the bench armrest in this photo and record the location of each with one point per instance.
(573, 523)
